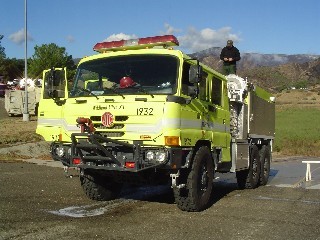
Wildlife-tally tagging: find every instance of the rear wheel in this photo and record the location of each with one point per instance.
(265, 158)
(199, 183)
(250, 178)
(99, 188)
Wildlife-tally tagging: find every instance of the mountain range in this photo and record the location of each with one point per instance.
(272, 71)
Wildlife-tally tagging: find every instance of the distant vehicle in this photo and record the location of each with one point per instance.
(15, 96)
(15, 99)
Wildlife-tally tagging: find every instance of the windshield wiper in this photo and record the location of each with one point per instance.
(140, 89)
(116, 92)
(89, 91)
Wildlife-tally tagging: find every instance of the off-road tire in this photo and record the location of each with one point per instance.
(250, 178)
(199, 183)
(265, 158)
(99, 188)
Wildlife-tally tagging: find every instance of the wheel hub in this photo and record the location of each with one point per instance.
(204, 179)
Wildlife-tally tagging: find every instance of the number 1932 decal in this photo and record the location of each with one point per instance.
(144, 111)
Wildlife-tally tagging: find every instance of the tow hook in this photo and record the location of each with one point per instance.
(174, 180)
(67, 173)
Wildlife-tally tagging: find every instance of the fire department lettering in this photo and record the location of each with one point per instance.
(107, 119)
(108, 107)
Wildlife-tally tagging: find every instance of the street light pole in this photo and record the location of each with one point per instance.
(25, 111)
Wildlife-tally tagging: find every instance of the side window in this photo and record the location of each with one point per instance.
(185, 78)
(216, 92)
(54, 80)
(202, 84)
(203, 87)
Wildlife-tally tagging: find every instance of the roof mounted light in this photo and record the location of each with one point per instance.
(139, 43)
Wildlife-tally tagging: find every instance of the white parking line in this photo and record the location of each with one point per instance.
(90, 210)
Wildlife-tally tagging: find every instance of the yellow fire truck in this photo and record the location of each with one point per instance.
(141, 111)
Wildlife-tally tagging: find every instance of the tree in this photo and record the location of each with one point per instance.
(47, 56)
(11, 69)
(2, 53)
(2, 59)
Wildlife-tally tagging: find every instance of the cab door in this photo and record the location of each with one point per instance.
(214, 115)
(220, 117)
(219, 112)
(53, 97)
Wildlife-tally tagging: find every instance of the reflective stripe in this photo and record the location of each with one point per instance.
(216, 127)
(177, 124)
(153, 128)
(61, 122)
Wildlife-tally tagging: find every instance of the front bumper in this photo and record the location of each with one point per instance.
(61, 151)
(93, 151)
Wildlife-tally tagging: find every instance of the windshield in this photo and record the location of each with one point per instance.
(123, 75)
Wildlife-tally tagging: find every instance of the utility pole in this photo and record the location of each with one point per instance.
(25, 111)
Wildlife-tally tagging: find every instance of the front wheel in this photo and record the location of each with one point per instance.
(197, 193)
(99, 188)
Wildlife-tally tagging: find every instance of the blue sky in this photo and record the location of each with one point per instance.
(260, 26)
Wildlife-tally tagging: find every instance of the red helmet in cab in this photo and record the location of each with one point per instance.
(126, 82)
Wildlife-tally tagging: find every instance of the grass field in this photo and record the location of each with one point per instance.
(15, 130)
(298, 131)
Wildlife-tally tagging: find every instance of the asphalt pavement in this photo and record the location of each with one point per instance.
(287, 172)
(38, 202)
(284, 172)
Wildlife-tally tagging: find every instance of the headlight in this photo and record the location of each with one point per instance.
(150, 155)
(59, 151)
(158, 156)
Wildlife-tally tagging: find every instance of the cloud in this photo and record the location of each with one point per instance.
(18, 37)
(169, 30)
(70, 39)
(193, 40)
(196, 40)
(119, 36)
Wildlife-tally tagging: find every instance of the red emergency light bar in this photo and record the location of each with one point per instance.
(147, 42)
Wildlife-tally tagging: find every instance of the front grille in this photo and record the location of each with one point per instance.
(116, 118)
(121, 118)
(95, 118)
(119, 123)
(111, 134)
(115, 126)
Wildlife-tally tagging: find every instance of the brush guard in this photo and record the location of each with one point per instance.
(91, 150)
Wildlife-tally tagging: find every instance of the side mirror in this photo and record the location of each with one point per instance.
(193, 91)
(54, 83)
(195, 73)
